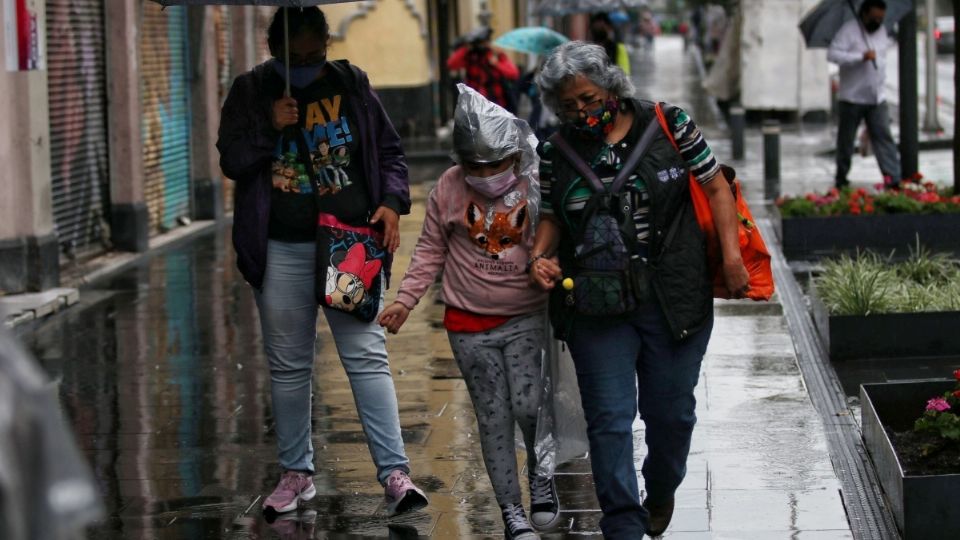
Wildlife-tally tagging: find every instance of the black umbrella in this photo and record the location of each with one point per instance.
(278, 3)
(822, 22)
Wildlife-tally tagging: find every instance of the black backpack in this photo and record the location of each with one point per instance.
(609, 275)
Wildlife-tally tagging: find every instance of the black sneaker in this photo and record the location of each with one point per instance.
(516, 526)
(660, 516)
(544, 503)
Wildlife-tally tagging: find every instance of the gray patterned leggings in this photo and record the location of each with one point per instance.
(502, 370)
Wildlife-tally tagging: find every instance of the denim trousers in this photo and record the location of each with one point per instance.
(288, 319)
(627, 365)
(877, 118)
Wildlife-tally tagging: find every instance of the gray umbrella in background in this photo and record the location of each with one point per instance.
(824, 20)
(278, 3)
(565, 7)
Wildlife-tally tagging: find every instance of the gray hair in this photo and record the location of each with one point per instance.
(580, 58)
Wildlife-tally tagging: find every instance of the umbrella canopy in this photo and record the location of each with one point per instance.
(566, 7)
(823, 21)
(278, 3)
(531, 39)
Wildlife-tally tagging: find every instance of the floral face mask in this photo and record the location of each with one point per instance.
(598, 122)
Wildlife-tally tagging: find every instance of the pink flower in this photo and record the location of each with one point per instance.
(938, 404)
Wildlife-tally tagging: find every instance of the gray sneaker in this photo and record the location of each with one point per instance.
(516, 526)
(544, 502)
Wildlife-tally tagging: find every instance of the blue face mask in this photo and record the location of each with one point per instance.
(301, 76)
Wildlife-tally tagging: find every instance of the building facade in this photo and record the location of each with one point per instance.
(112, 110)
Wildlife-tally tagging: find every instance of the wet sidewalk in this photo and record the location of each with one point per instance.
(164, 380)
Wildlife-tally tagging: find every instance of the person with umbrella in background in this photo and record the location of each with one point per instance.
(860, 48)
(487, 71)
(329, 121)
(604, 33)
(538, 40)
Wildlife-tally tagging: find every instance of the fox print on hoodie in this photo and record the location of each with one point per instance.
(490, 240)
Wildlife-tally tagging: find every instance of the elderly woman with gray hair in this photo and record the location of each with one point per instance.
(618, 234)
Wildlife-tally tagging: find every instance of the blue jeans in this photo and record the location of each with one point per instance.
(288, 320)
(624, 366)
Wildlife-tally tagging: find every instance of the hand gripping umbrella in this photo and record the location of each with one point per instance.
(822, 22)
(279, 3)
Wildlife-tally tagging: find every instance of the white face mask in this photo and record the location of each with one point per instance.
(493, 186)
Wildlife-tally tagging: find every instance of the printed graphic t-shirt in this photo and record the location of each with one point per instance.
(338, 185)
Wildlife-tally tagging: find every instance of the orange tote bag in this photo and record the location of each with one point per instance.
(753, 250)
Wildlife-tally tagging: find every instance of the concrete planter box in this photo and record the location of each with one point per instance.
(923, 506)
(886, 335)
(811, 238)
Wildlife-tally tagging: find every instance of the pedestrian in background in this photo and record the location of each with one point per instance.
(487, 71)
(478, 231)
(646, 358)
(265, 134)
(541, 120)
(860, 49)
(604, 33)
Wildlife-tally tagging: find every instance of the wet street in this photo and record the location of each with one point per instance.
(164, 380)
(165, 383)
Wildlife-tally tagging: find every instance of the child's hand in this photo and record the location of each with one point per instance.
(545, 273)
(393, 317)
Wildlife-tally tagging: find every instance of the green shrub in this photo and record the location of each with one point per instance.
(869, 284)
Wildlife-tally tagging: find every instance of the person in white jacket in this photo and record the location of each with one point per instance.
(860, 49)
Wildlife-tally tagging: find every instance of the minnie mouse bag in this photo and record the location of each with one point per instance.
(349, 264)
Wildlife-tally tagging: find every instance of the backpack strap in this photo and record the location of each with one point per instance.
(574, 159)
(625, 171)
(638, 151)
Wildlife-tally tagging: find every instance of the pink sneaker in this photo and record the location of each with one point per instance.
(402, 495)
(293, 487)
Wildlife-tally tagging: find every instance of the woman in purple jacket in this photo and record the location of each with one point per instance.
(332, 118)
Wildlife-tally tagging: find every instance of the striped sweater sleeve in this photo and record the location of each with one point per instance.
(694, 149)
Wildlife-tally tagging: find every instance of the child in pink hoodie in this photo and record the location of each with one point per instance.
(478, 232)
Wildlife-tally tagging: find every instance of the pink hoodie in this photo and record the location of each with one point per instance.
(482, 262)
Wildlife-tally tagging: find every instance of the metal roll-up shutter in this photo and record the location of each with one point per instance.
(79, 164)
(224, 31)
(165, 99)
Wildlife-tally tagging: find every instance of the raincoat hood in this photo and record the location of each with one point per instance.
(484, 132)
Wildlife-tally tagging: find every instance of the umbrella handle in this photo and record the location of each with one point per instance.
(863, 31)
(286, 49)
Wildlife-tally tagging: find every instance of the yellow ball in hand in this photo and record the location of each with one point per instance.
(567, 284)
